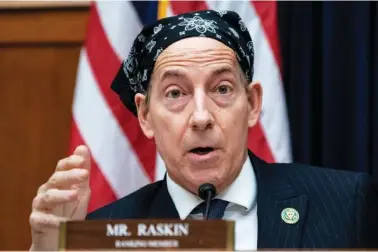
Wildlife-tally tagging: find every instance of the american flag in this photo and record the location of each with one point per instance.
(123, 160)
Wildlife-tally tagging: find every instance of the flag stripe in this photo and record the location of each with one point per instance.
(274, 116)
(179, 7)
(267, 12)
(104, 74)
(169, 9)
(98, 183)
(114, 24)
(258, 144)
(93, 116)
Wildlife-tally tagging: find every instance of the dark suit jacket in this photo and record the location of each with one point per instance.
(337, 209)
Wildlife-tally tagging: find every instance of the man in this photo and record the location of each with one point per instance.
(188, 79)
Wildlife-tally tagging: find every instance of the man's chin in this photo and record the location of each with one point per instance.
(201, 176)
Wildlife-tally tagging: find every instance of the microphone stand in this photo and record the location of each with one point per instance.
(207, 192)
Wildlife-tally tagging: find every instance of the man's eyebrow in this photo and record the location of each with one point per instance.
(171, 73)
(179, 74)
(222, 70)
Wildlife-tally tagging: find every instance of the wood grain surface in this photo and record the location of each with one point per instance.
(39, 52)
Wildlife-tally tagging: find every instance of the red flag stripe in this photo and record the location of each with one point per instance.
(267, 11)
(258, 144)
(97, 182)
(105, 65)
(179, 7)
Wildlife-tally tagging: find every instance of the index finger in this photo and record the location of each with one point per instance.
(79, 159)
(83, 151)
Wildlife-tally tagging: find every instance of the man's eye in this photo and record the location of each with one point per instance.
(223, 89)
(174, 93)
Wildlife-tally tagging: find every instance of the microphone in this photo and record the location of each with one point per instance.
(207, 192)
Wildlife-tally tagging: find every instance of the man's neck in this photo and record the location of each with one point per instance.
(242, 192)
(220, 187)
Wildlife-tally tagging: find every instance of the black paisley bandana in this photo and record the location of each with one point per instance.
(225, 26)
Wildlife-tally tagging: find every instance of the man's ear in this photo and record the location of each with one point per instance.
(144, 115)
(254, 94)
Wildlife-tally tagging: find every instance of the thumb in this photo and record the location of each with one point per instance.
(83, 151)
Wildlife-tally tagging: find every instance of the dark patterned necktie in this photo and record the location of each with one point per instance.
(216, 211)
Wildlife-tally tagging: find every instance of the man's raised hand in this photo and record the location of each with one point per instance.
(65, 196)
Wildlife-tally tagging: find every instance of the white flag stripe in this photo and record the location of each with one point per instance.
(160, 168)
(121, 24)
(169, 10)
(100, 130)
(274, 115)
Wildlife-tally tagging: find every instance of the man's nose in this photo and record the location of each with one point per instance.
(201, 118)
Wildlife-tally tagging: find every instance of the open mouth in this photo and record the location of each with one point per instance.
(202, 150)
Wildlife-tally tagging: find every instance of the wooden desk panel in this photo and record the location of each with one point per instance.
(62, 25)
(39, 52)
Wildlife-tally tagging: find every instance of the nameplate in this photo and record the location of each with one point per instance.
(147, 235)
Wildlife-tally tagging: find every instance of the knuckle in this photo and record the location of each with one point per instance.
(45, 221)
(34, 219)
(41, 188)
(38, 221)
(77, 160)
(80, 160)
(54, 180)
(31, 219)
(60, 163)
(83, 173)
(47, 197)
(78, 174)
(50, 221)
(35, 202)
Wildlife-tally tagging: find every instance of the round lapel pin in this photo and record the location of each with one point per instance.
(290, 215)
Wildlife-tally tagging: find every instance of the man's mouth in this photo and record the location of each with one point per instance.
(202, 150)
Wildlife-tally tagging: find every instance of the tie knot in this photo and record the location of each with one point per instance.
(216, 211)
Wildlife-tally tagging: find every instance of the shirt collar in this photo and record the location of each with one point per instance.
(241, 192)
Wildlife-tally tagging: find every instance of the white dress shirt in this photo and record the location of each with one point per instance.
(242, 207)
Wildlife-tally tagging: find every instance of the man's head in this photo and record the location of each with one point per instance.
(199, 110)
(199, 105)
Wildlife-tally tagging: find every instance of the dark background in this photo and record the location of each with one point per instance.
(330, 72)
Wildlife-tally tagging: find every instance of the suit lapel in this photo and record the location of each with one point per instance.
(162, 207)
(275, 193)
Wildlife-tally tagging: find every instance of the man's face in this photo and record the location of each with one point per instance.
(199, 111)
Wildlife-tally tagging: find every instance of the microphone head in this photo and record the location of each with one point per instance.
(204, 189)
